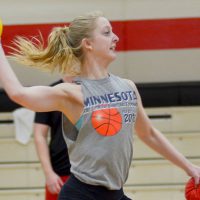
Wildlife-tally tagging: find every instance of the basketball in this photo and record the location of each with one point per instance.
(192, 192)
(1, 27)
(107, 122)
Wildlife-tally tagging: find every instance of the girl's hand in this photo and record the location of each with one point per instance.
(194, 171)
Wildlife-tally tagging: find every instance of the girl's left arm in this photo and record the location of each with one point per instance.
(156, 140)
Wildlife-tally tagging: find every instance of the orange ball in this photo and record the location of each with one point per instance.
(192, 192)
(1, 27)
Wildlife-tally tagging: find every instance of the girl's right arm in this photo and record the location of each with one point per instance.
(37, 98)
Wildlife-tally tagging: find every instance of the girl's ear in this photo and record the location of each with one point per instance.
(86, 44)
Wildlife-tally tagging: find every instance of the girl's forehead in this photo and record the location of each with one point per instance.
(103, 22)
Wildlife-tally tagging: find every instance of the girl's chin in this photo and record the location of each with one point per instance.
(113, 55)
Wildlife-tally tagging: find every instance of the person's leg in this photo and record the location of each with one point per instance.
(73, 190)
(70, 193)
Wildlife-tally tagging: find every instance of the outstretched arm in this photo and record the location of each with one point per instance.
(64, 97)
(36, 98)
(156, 140)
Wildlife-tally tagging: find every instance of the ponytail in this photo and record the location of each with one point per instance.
(57, 56)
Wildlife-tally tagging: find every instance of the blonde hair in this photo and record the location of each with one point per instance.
(63, 51)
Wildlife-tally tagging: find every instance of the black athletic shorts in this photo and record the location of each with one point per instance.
(74, 189)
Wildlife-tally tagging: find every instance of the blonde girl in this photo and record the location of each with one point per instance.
(100, 148)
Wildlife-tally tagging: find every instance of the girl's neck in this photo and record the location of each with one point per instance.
(94, 71)
(94, 74)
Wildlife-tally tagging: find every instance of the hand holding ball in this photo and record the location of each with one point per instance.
(192, 192)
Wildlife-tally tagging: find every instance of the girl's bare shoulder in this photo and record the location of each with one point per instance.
(68, 87)
(70, 90)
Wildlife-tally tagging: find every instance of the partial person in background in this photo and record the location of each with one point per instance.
(106, 109)
(53, 156)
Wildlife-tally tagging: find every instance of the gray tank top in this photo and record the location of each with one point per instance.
(101, 150)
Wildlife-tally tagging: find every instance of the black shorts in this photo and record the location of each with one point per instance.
(74, 189)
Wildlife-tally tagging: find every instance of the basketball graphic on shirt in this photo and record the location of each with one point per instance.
(107, 122)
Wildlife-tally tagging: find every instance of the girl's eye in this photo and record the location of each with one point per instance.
(107, 32)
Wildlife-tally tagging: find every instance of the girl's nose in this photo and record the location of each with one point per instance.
(116, 38)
